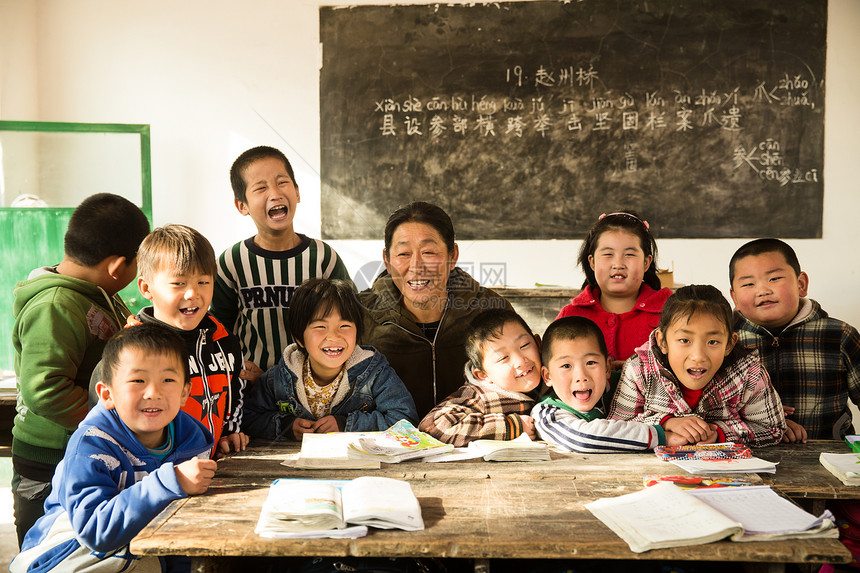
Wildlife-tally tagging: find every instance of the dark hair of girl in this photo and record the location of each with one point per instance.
(628, 221)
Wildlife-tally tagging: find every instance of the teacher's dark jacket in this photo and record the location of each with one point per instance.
(430, 369)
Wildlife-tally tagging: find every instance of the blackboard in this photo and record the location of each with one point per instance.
(526, 120)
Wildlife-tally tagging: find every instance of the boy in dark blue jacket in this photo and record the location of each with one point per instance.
(132, 455)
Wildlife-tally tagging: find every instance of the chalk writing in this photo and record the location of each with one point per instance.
(546, 113)
(696, 110)
(766, 160)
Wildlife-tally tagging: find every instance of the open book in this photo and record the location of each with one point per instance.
(327, 508)
(329, 451)
(844, 466)
(667, 516)
(400, 442)
(520, 449)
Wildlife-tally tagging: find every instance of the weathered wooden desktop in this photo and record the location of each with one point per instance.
(480, 510)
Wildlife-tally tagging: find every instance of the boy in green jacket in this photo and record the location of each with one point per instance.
(64, 315)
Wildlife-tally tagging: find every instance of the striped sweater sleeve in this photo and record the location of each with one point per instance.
(573, 433)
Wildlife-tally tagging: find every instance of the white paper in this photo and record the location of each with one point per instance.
(662, 516)
(330, 451)
(746, 465)
(758, 508)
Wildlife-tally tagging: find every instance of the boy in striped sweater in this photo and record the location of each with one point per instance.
(257, 277)
(576, 367)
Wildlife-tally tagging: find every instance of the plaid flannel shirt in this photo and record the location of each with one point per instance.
(740, 399)
(814, 364)
(477, 410)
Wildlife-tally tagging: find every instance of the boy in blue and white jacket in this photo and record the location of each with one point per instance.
(326, 382)
(576, 367)
(132, 455)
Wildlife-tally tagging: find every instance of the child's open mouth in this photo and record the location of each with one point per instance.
(333, 351)
(696, 373)
(190, 311)
(526, 373)
(278, 213)
(582, 395)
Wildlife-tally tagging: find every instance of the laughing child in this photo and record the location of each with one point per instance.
(325, 381)
(576, 367)
(502, 382)
(693, 379)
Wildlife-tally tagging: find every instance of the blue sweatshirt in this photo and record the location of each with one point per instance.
(106, 489)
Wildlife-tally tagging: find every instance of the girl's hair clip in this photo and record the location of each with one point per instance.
(645, 223)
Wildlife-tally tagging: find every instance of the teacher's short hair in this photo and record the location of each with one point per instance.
(421, 212)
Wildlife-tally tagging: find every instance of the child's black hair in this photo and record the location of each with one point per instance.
(176, 247)
(105, 225)
(486, 326)
(692, 299)
(237, 170)
(629, 221)
(316, 298)
(570, 328)
(148, 338)
(760, 247)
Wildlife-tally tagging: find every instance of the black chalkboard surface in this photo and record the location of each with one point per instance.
(526, 120)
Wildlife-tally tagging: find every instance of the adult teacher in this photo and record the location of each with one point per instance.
(418, 309)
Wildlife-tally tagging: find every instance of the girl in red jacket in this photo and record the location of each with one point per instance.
(622, 291)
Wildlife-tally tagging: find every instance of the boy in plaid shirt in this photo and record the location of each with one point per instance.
(813, 359)
(503, 380)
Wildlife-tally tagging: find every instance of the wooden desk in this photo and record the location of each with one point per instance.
(476, 510)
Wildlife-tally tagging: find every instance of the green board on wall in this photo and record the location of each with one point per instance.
(60, 164)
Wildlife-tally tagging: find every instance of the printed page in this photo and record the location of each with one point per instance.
(758, 508)
(662, 516)
(330, 451)
(747, 465)
(294, 506)
(382, 502)
(521, 448)
(844, 466)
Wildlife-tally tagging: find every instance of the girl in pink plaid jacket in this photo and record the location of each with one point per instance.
(693, 379)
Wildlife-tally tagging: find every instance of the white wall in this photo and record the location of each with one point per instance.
(214, 77)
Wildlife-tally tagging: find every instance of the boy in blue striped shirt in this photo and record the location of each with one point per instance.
(576, 367)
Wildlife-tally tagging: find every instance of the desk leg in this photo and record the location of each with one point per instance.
(764, 567)
(482, 566)
(209, 565)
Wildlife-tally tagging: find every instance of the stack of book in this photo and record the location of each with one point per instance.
(338, 508)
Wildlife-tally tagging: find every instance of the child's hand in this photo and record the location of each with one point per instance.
(302, 426)
(692, 428)
(326, 424)
(250, 372)
(529, 427)
(713, 435)
(794, 432)
(195, 475)
(232, 443)
(674, 440)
